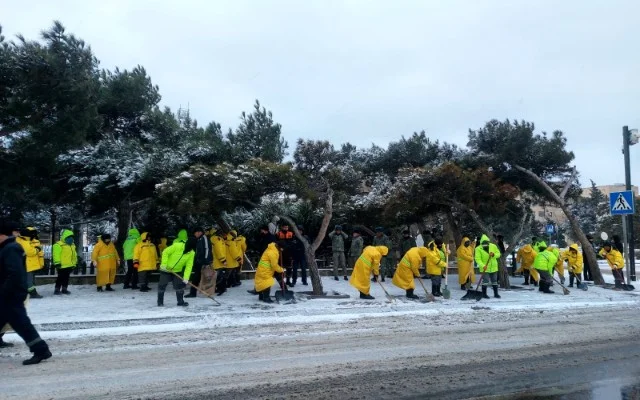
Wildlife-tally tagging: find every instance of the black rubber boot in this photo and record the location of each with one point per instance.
(463, 287)
(484, 293)
(346, 278)
(57, 291)
(34, 294)
(65, 291)
(382, 280)
(109, 289)
(253, 291)
(160, 299)
(570, 280)
(99, 289)
(180, 297)
(366, 296)
(266, 295)
(495, 292)
(145, 288)
(435, 290)
(37, 357)
(546, 288)
(192, 293)
(3, 344)
(410, 294)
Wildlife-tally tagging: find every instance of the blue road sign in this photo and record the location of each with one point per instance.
(621, 203)
(551, 229)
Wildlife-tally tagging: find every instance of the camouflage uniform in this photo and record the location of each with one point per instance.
(386, 264)
(357, 244)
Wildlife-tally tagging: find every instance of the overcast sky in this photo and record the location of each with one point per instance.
(371, 71)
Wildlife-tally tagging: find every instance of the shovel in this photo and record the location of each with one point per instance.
(565, 291)
(430, 297)
(623, 286)
(476, 294)
(284, 294)
(446, 293)
(198, 289)
(581, 285)
(389, 297)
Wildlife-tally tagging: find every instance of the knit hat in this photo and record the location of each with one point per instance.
(7, 227)
(338, 227)
(379, 229)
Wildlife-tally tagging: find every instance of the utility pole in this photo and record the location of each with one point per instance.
(628, 224)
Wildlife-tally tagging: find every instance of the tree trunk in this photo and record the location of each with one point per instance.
(123, 216)
(453, 227)
(577, 230)
(53, 225)
(311, 248)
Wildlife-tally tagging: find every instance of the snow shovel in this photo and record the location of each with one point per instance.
(623, 286)
(284, 294)
(581, 285)
(430, 297)
(565, 291)
(389, 297)
(446, 293)
(476, 294)
(198, 289)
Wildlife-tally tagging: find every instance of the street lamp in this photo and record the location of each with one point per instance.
(629, 138)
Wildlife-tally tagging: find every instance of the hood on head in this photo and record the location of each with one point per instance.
(484, 239)
(134, 233)
(144, 236)
(464, 239)
(423, 251)
(574, 247)
(542, 244)
(383, 250)
(527, 248)
(65, 234)
(182, 235)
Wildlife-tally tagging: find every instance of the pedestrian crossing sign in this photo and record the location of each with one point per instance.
(621, 203)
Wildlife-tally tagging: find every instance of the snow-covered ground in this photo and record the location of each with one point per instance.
(88, 313)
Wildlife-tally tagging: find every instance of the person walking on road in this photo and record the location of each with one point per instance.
(14, 291)
(337, 247)
(368, 263)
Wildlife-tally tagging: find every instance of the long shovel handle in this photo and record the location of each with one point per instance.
(385, 290)
(564, 289)
(195, 287)
(249, 261)
(430, 297)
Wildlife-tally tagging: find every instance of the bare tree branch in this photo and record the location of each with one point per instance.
(567, 186)
(542, 183)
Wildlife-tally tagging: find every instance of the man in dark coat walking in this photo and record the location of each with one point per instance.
(13, 293)
(203, 259)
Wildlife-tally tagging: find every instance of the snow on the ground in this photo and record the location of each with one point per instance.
(88, 313)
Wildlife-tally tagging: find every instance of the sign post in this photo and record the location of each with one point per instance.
(622, 203)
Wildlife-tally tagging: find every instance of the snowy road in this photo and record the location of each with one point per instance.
(359, 359)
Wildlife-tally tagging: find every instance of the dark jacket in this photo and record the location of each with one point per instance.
(264, 240)
(204, 256)
(408, 244)
(13, 272)
(298, 248)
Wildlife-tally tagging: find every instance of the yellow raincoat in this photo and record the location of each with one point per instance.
(559, 267)
(465, 262)
(145, 254)
(267, 266)
(33, 253)
(233, 254)
(407, 268)
(574, 260)
(162, 245)
(614, 258)
(369, 261)
(106, 259)
(219, 252)
(435, 263)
